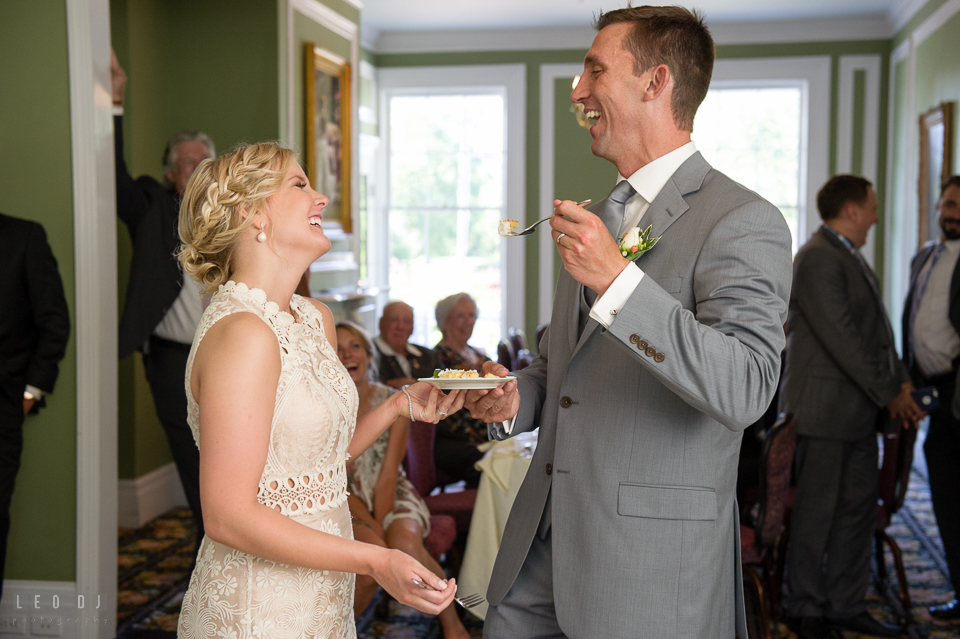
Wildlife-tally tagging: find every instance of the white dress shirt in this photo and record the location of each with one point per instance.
(935, 342)
(183, 316)
(647, 181)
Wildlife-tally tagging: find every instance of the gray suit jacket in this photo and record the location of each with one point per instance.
(839, 350)
(640, 424)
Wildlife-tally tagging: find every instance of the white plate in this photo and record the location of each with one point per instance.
(469, 383)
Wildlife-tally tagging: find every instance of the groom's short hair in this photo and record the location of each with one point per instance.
(839, 190)
(676, 37)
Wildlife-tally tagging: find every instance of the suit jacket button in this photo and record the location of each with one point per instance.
(634, 338)
(658, 358)
(549, 469)
(566, 402)
(642, 345)
(650, 352)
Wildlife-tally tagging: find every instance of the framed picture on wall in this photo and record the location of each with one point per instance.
(936, 165)
(327, 130)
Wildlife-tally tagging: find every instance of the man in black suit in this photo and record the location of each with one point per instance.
(842, 371)
(398, 361)
(34, 329)
(162, 308)
(931, 346)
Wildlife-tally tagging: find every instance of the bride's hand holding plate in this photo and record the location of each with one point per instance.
(431, 405)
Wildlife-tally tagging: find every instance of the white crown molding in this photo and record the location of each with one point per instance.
(903, 11)
(936, 20)
(482, 40)
(95, 332)
(580, 38)
(814, 30)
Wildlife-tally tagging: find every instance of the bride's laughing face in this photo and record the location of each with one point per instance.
(295, 213)
(352, 355)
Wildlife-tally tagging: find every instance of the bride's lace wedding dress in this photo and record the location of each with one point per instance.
(233, 594)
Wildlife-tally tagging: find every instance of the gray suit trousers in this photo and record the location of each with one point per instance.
(834, 513)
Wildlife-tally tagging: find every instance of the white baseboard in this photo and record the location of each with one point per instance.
(148, 496)
(52, 609)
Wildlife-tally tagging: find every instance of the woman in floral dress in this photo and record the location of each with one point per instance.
(386, 509)
(274, 415)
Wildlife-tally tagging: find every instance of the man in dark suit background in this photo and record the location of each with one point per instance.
(162, 307)
(842, 371)
(398, 361)
(931, 347)
(34, 329)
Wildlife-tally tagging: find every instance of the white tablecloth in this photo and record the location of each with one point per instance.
(502, 468)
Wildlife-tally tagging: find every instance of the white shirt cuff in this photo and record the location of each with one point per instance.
(607, 306)
(33, 390)
(508, 424)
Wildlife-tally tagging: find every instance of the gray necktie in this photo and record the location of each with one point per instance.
(612, 217)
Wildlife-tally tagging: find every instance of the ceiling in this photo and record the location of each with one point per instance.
(380, 16)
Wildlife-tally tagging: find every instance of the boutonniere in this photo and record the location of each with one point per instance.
(635, 242)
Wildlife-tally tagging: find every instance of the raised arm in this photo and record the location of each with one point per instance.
(236, 390)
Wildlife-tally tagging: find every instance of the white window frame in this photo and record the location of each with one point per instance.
(508, 80)
(812, 76)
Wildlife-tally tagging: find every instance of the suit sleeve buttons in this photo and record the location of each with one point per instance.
(634, 339)
(650, 352)
(658, 358)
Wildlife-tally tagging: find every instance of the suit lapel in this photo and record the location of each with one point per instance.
(665, 209)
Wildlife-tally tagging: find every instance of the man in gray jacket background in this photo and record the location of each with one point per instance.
(842, 372)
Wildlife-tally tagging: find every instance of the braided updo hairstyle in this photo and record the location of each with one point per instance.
(218, 192)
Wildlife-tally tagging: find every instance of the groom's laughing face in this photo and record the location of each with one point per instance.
(612, 95)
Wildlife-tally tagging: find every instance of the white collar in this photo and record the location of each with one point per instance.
(649, 179)
(385, 348)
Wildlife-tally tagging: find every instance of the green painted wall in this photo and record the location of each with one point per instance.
(577, 171)
(190, 65)
(938, 73)
(36, 184)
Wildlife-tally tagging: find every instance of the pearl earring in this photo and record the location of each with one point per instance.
(262, 237)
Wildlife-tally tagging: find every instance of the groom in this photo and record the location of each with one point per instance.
(626, 523)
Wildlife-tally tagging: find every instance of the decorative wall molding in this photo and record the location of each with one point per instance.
(546, 285)
(95, 333)
(149, 496)
(935, 21)
(580, 38)
(849, 65)
(901, 224)
(903, 11)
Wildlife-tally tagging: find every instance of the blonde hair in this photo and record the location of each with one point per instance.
(217, 196)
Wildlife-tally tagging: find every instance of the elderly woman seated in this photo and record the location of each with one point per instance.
(455, 449)
(398, 362)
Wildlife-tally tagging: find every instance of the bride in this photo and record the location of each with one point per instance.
(274, 415)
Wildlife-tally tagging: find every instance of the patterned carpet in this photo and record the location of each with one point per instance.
(154, 563)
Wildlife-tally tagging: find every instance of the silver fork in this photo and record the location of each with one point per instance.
(469, 601)
(530, 229)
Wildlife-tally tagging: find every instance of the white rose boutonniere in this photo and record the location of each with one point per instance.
(635, 242)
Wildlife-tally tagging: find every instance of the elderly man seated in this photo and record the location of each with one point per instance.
(399, 362)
